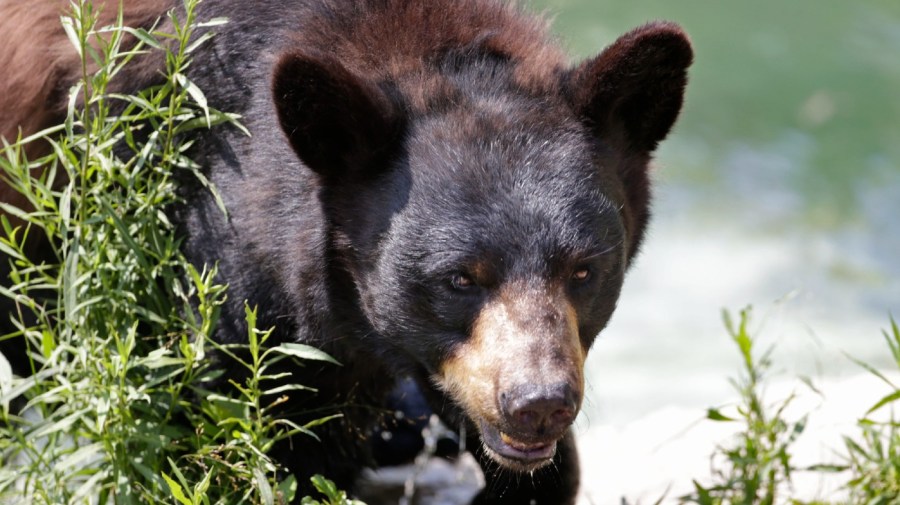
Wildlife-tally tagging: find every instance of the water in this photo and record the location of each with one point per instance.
(780, 189)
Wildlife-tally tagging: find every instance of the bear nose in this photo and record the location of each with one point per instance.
(539, 410)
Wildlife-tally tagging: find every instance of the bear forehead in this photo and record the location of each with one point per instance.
(525, 157)
(517, 224)
(500, 140)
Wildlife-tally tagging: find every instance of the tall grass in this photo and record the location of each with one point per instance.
(117, 322)
(756, 468)
(873, 456)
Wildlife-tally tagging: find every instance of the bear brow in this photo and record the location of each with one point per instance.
(597, 252)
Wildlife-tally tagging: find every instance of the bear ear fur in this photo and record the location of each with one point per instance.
(632, 92)
(338, 124)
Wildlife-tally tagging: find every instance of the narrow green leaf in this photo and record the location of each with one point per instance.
(20, 386)
(202, 486)
(219, 21)
(6, 375)
(287, 387)
(48, 343)
(321, 421)
(874, 371)
(68, 25)
(199, 42)
(196, 93)
(176, 490)
(144, 36)
(826, 468)
(884, 401)
(716, 415)
(262, 485)
(326, 487)
(303, 351)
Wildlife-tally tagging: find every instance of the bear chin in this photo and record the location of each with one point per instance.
(515, 454)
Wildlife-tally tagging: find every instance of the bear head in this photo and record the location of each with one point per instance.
(488, 234)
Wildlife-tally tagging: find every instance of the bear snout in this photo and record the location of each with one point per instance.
(519, 377)
(534, 411)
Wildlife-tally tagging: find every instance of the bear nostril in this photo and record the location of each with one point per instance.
(526, 417)
(562, 416)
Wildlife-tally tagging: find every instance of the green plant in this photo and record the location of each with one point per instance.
(333, 496)
(757, 467)
(117, 322)
(873, 458)
(237, 431)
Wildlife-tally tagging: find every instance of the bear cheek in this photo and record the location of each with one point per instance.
(523, 342)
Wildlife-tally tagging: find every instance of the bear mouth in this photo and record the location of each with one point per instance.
(513, 453)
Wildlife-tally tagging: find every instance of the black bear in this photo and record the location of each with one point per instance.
(430, 191)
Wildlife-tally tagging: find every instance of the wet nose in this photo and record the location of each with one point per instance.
(539, 410)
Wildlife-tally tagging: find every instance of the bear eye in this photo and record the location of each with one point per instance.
(581, 275)
(462, 282)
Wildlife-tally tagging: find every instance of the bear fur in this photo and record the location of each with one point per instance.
(430, 191)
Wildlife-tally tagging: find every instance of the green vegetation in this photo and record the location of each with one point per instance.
(117, 322)
(874, 456)
(753, 471)
(333, 496)
(757, 469)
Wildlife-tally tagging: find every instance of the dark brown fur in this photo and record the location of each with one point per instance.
(398, 147)
(643, 71)
(383, 28)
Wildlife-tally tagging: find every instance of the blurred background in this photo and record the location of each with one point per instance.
(780, 189)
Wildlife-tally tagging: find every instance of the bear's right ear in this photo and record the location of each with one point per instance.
(632, 92)
(337, 123)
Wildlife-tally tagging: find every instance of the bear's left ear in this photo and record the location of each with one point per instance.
(339, 124)
(632, 92)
